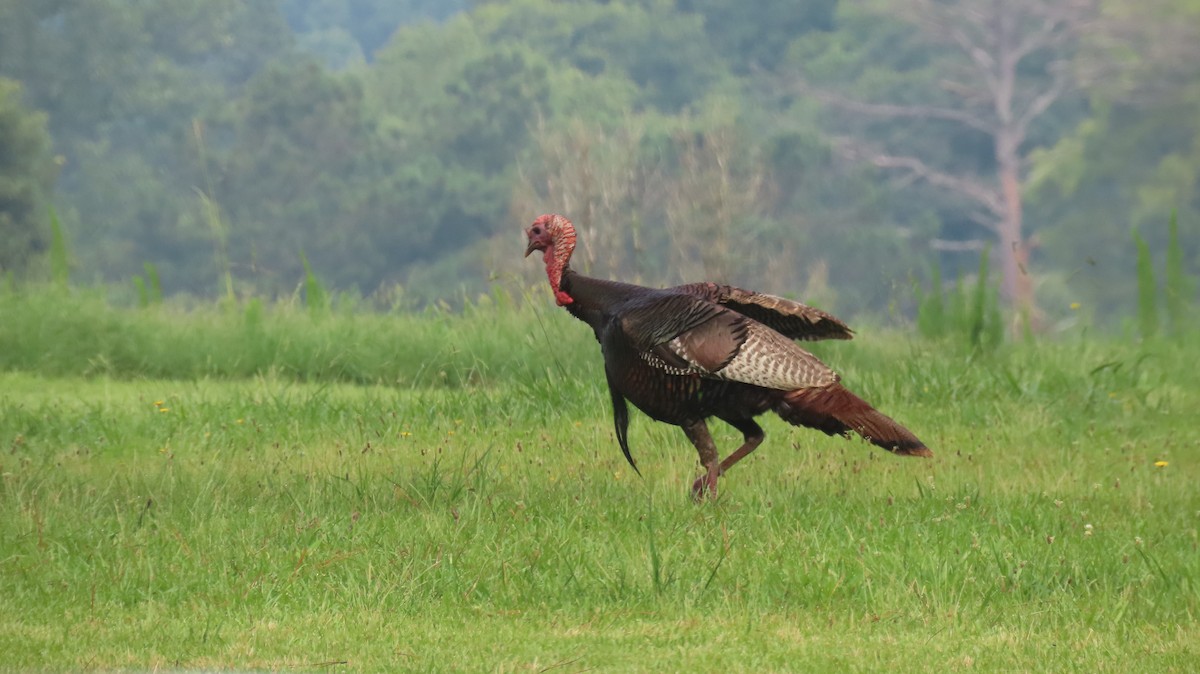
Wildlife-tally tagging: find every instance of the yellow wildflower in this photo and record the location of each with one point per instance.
(1160, 464)
(1075, 305)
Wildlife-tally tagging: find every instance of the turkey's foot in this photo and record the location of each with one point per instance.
(705, 486)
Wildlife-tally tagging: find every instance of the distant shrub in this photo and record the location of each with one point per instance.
(969, 313)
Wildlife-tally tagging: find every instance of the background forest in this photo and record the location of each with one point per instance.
(841, 151)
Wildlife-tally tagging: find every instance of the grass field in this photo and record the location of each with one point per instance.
(262, 489)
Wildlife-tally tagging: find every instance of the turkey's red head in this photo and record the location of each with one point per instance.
(554, 235)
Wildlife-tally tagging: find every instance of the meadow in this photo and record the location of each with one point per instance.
(258, 486)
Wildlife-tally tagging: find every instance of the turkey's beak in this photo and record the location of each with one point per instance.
(531, 247)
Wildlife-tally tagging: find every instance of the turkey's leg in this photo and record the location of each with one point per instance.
(697, 432)
(753, 434)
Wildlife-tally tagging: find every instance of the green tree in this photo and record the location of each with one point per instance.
(666, 53)
(1132, 163)
(464, 96)
(759, 38)
(367, 24)
(122, 83)
(105, 67)
(27, 174)
(296, 175)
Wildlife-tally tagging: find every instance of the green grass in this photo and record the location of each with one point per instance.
(221, 502)
(78, 333)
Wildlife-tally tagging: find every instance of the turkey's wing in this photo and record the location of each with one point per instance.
(789, 318)
(684, 334)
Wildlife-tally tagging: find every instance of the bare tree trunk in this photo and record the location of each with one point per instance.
(1016, 286)
(995, 95)
(1008, 136)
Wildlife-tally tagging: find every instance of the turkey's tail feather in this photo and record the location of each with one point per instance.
(836, 411)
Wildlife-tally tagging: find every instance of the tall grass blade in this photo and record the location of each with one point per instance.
(212, 215)
(979, 309)
(60, 258)
(1178, 285)
(315, 297)
(139, 285)
(1146, 289)
(931, 307)
(153, 284)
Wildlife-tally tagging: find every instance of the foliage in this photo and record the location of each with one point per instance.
(122, 84)
(344, 33)
(759, 39)
(1134, 160)
(149, 287)
(301, 172)
(27, 175)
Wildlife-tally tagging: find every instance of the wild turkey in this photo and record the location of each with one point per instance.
(687, 353)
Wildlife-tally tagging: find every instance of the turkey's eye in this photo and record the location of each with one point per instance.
(537, 230)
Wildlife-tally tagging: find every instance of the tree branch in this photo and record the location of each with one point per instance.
(1043, 101)
(1044, 36)
(949, 24)
(895, 110)
(986, 220)
(987, 197)
(948, 246)
(984, 63)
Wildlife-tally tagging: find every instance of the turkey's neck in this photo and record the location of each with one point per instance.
(593, 297)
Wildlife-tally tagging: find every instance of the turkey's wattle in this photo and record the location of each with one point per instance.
(701, 350)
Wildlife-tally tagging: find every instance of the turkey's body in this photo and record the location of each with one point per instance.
(675, 397)
(682, 398)
(689, 353)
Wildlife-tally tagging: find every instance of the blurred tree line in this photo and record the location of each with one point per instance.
(841, 150)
